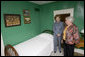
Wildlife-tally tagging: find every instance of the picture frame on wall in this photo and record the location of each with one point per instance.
(27, 20)
(12, 20)
(26, 14)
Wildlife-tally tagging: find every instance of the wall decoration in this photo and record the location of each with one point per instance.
(27, 20)
(12, 20)
(26, 15)
(26, 12)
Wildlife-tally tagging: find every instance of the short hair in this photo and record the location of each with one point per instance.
(57, 16)
(70, 18)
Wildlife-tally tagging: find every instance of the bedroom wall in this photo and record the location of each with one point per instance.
(46, 13)
(17, 34)
(40, 21)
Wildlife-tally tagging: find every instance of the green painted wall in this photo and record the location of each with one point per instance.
(46, 13)
(40, 21)
(17, 34)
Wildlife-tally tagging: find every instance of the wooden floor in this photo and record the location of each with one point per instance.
(78, 54)
(62, 54)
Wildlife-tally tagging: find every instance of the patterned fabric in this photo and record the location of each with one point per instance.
(64, 33)
(72, 35)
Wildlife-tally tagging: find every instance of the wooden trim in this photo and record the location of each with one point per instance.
(13, 49)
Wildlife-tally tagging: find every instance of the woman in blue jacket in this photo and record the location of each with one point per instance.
(58, 28)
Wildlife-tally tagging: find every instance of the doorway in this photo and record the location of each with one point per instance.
(63, 16)
(64, 13)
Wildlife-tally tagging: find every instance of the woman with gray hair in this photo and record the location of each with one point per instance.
(70, 36)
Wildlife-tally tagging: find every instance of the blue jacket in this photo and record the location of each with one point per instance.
(58, 28)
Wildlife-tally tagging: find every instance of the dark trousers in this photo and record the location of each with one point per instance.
(68, 49)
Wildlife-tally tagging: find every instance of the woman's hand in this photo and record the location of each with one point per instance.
(61, 41)
(58, 35)
(71, 43)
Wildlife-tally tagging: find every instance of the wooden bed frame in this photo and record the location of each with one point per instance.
(10, 51)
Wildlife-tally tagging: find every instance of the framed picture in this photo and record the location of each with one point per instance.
(27, 19)
(26, 12)
(12, 20)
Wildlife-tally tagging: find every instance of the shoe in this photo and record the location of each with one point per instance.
(60, 51)
(54, 51)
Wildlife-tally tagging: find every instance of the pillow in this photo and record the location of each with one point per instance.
(48, 31)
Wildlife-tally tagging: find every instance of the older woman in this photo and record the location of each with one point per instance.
(58, 30)
(70, 36)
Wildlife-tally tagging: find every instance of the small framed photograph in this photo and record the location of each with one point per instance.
(26, 13)
(27, 20)
(12, 20)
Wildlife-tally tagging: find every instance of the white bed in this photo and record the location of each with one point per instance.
(41, 45)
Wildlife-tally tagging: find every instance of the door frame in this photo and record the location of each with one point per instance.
(64, 11)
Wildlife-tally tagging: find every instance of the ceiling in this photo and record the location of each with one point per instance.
(41, 2)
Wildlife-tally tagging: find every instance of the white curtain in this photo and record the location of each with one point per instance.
(2, 46)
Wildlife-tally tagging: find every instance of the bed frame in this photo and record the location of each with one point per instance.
(10, 51)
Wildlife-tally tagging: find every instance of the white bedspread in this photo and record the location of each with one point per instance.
(41, 45)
